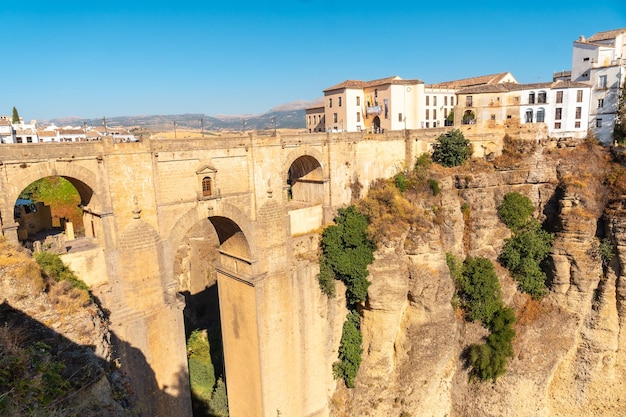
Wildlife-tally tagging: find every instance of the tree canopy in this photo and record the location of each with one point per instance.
(451, 149)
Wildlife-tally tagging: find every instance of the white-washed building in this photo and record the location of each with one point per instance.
(7, 134)
(600, 62)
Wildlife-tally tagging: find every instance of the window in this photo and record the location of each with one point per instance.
(427, 124)
(358, 100)
(445, 100)
(468, 101)
(18, 140)
(531, 98)
(557, 113)
(358, 116)
(339, 101)
(585, 59)
(330, 102)
(434, 100)
(541, 98)
(427, 115)
(559, 96)
(452, 101)
(445, 113)
(557, 125)
(541, 115)
(427, 100)
(207, 186)
(529, 116)
(334, 117)
(29, 139)
(309, 120)
(598, 122)
(579, 111)
(493, 117)
(434, 113)
(600, 103)
(602, 81)
(399, 117)
(579, 96)
(577, 124)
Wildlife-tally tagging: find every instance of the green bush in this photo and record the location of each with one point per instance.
(201, 370)
(479, 289)
(488, 360)
(422, 162)
(347, 251)
(218, 406)
(401, 182)
(451, 149)
(349, 350)
(607, 252)
(434, 186)
(522, 255)
(53, 267)
(515, 210)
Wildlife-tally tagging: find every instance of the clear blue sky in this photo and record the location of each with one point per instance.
(122, 58)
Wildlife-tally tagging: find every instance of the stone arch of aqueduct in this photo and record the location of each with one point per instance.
(268, 193)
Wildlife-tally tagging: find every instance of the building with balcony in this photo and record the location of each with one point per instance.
(600, 62)
(375, 106)
(562, 106)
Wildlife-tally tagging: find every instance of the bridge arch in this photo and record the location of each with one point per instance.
(304, 176)
(83, 179)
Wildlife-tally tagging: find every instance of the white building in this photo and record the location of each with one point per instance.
(600, 61)
(562, 106)
(7, 134)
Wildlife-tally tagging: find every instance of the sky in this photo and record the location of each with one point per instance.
(109, 58)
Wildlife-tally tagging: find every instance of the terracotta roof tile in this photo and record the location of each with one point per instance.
(474, 81)
(606, 35)
(359, 85)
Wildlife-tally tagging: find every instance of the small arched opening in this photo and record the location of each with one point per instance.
(305, 180)
(55, 206)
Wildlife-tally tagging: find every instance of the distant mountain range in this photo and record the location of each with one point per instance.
(290, 116)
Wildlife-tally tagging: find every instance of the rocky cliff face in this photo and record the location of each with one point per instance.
(569, 350)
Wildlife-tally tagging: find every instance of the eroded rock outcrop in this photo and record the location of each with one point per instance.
(569, 354)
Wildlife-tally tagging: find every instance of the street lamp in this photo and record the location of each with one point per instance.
(174, 129)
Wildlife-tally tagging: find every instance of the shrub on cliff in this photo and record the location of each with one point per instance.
(523, 253)
(479, 289)
(346, 253)
(451, 149)
(349, 350)
(515, 210)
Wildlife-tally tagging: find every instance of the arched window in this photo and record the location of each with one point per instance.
(541, 98)
(529, 116)
(531, 98)
(541, 115)
(207, 186)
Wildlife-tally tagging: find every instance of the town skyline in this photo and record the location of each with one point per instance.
(121, 59)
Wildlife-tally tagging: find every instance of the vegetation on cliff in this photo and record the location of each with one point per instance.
(209, 392)
(523, 253)
(46, 372)
(451, 149)
(346, 253)
(480, 298)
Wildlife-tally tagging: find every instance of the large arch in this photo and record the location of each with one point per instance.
(304, 176)
(90, 190)
(232, 290)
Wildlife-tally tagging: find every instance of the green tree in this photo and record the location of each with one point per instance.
(488, 360)
(347, 251)
(349, 350)
(16, 116)
(522, 255)
(451, 149)
(515, 210)
(479, 289)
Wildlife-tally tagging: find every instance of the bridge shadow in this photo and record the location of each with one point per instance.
(97, 387)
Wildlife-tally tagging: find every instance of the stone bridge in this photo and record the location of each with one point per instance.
(265, 198)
